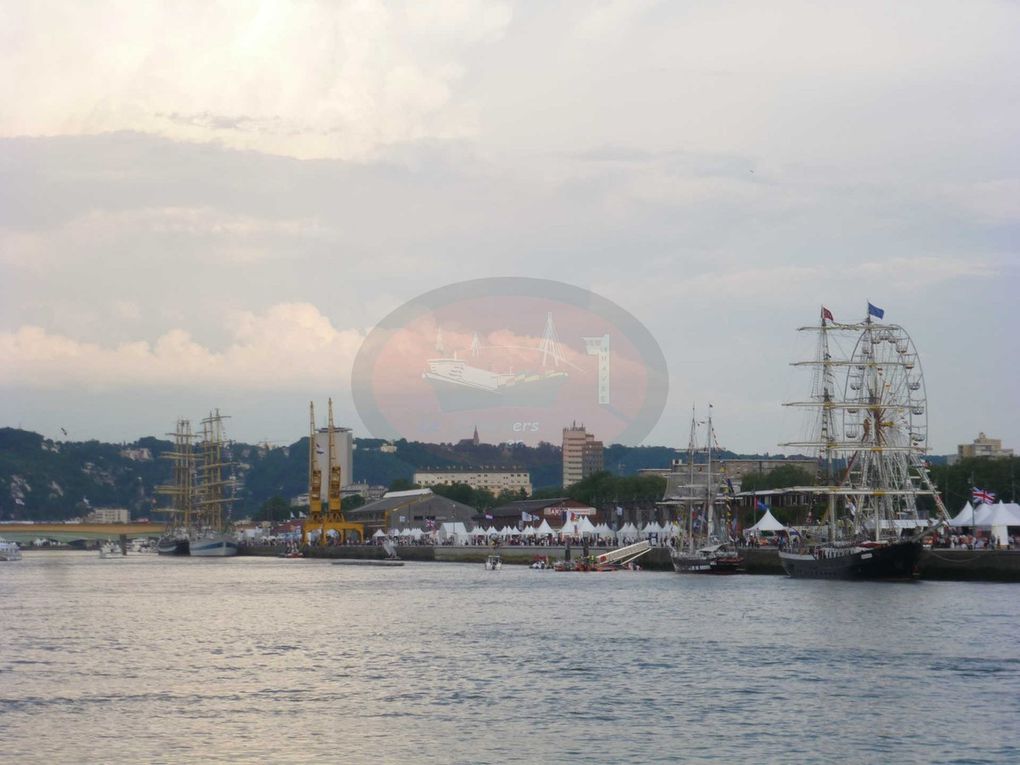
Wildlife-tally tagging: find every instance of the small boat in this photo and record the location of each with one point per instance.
(110, 550)
(711, 559)
(493, 563)
(9, 551)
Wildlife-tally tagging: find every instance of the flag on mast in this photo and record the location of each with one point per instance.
(878, 313)
(826, 314)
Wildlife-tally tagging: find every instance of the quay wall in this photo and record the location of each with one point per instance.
(937, 565)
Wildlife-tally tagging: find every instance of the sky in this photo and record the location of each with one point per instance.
(211, 204)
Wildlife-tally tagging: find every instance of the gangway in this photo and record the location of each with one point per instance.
(624, 555)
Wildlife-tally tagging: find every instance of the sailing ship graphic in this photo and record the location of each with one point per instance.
(463, 385)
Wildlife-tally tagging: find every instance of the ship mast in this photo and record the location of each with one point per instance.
(181, 491)
(213, 492)
(827, 428)
(709, 487)
(690, 485)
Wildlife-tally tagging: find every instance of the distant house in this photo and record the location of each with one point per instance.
(110, 515)
(494, 479)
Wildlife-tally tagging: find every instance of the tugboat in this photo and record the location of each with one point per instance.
(873, 419)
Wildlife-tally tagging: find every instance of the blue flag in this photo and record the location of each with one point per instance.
(762, 506)
(878, 313)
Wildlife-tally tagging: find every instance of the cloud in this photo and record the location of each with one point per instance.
(290, 346)
(225, 235)
(315, 79)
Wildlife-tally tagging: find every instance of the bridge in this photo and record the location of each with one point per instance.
(71, 532)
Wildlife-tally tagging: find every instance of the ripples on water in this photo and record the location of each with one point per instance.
(175, 660)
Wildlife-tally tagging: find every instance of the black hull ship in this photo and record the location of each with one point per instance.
(870, 419)
(173, 545)
(896, 560)
(704, 548)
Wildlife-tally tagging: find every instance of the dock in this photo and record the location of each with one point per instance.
(935, 565)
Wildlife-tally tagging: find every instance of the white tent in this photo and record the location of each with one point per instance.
(456, 531)
(628, 530)
(393, 533)
(491, 532)
(529, 531)
(604, 531)
(768, 522)
(378, 534)
(544, 528)
(650, 528)
(1000, 514)
(965, 517)
(585, 526)
(1000, 518)
(404, 533)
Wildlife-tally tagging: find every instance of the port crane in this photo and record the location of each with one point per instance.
(330, 518)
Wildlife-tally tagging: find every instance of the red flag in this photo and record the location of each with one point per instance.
(827, 314)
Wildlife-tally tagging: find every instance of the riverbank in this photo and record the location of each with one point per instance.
(937, 565)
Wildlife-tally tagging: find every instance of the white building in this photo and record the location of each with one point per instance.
(110, 515)
(494, 479)
(983, 446)
(344, 457)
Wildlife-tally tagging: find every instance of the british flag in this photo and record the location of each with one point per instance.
(982, 496)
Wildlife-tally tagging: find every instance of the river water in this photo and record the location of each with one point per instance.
(150, 659)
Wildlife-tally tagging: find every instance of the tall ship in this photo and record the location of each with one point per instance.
(214, 494)
(200, 493)
(705, 547)
(176, 538)
(869, 430)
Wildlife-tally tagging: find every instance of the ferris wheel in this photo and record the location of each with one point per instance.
(885, 419)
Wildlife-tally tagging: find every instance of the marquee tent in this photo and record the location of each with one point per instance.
(454, 530)
(768, 522)
(965, 517)
(998, 518)
(544, 528)
(628, 530)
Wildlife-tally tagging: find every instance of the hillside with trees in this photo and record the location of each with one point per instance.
(42, 479)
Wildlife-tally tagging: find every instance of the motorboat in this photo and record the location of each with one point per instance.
(9, 551)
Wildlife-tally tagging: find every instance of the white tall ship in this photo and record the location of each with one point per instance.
(214, 494)
(200, 493)
(870, 433)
